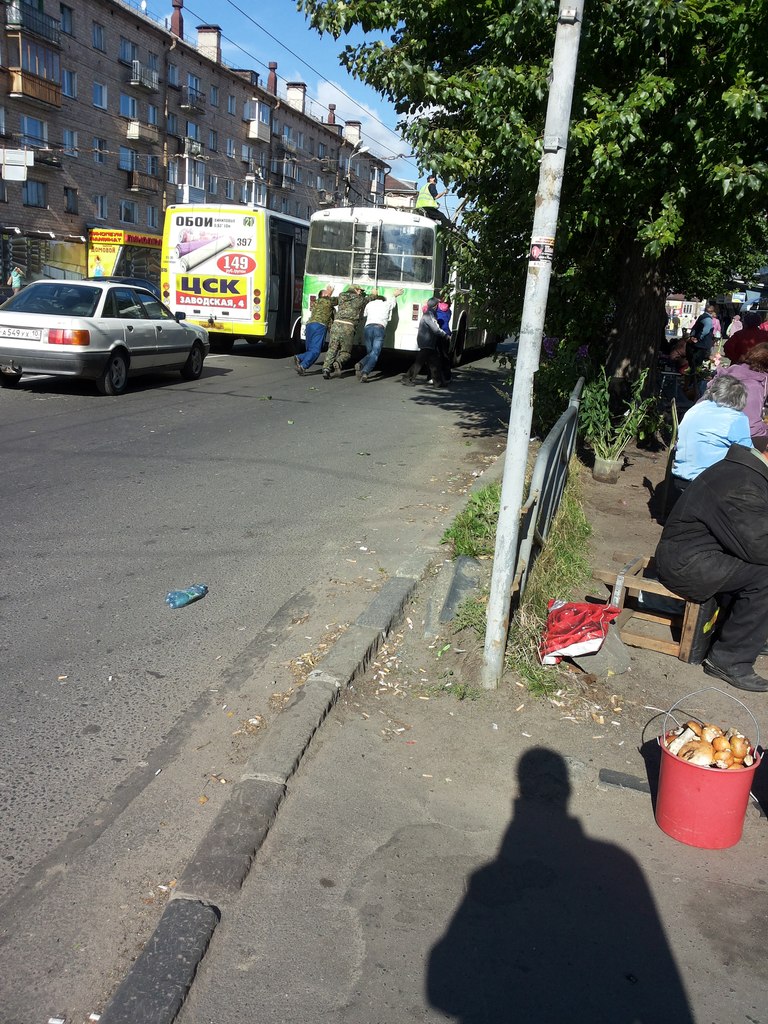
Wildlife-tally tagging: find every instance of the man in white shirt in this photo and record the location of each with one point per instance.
(378, 313)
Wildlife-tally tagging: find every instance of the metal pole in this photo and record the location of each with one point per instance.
(566, 52)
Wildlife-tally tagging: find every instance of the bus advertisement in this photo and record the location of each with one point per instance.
(385, 249)
(235, 270)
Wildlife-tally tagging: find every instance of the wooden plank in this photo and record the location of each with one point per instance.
(689, 630)
(660, 617)
(650, 643)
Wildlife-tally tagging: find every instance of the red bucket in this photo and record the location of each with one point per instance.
(703, 807)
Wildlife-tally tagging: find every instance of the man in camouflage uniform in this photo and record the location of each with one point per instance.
(352, 301)
(316, 329)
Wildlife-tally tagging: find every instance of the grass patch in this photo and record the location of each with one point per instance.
(471, 614)
(473, 531)
(461, 691)
(561, 568)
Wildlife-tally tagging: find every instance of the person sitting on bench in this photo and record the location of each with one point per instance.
(715, 544)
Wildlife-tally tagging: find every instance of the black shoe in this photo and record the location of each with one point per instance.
(299, 368)
(364, 378)
(408, 381)
(336, 370)
(326, 374)
(747, 681)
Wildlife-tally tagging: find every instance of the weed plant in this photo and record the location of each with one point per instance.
(473, 531)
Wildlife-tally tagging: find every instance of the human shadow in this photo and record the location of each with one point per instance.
(560, 927)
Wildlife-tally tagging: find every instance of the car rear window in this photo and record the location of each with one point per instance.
(57, 299)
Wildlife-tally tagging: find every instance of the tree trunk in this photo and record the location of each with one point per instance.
(640, 320)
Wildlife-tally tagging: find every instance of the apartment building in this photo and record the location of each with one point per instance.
(107, 116)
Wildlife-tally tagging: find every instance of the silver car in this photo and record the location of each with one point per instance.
(98, 330)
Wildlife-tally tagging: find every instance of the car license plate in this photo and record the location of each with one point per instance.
(22, 333)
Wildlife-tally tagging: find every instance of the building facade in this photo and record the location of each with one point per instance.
(108, 116)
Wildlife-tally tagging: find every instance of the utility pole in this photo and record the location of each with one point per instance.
(569, 20)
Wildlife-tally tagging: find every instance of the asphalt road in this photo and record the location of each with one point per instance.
(252, 480)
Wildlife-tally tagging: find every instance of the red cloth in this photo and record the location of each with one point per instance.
(741, 342)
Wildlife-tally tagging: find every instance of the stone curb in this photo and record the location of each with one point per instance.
(159, 980)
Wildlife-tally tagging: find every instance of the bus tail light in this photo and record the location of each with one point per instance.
(415, 311)
(57, 336)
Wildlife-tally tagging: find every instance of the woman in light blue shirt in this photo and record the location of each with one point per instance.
(708, 430)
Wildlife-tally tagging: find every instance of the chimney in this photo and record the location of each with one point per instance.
(352, 132)
(209, 42)
(272, 78)
(177, 21)
(331, 113)
(296, 93)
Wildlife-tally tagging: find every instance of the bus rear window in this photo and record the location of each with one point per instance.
(330, 249)
(406, 253)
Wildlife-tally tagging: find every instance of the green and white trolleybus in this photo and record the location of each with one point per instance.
(384, 248)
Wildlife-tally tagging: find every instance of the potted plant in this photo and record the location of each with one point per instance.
(608, 431)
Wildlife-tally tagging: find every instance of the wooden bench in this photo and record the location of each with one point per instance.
(689, 631)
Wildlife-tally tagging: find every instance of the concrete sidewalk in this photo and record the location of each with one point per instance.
(438, 859)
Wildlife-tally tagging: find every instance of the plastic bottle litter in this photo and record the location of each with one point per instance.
(179, 598)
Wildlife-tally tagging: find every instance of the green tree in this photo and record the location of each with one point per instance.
(666, 157)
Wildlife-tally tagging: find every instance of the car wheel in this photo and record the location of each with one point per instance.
(193, 368)
(9, 380)
(114, 377)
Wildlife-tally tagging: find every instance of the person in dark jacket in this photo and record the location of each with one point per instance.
(715, 543)
(429, 338)
(699, 347)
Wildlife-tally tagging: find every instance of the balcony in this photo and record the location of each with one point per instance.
(192, 99)
(258, 130)
(288, 184)
(141, 132)
(138, 181)
(29, 86)
(287, 145)
(23, 16)
(47, 157)
(189, 147)
(144, 78)
(328, 166)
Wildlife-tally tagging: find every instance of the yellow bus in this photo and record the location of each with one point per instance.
(235, 270)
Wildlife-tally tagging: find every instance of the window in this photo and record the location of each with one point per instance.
(173, 124)
(229, 188)
(214, 95)
(264, 112)
(297, 174)
(231, 104)
(97, 36)
(34, 132)
(230, 147)
(129, 52)
(2, 120)
(245, 193)
(300, 140)
(197, 174)
(153, 62)
(213, 184)
(25, 53)
(99, 151)
(70, 142)
(173, 172)
(128, 159)
(275, 127)
(70, 200)
(66, 19)
(152, 113)
(69, 83)
(35, 193)
(193, 83)
(284, 207)
(3, 192)
(193, 131)
(321, 149)
(311, 147)
(319, 184)
(153, 166)
(153, 217)
(173, 76)
(213, 140)
(100, 95)
(287, 132)
(261, 194)
(128, 211)
(102, 207)
(127, 106)
(245, 153)
(297, 210)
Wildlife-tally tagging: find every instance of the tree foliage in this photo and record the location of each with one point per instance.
(666, 155)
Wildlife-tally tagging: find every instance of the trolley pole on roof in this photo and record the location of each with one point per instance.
(541, 251)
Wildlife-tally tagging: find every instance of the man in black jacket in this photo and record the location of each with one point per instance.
(715, 542)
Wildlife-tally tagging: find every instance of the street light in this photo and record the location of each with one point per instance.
(358, 150)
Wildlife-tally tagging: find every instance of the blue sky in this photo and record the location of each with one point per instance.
(254, 34)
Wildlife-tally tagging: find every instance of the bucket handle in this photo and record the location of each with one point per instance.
(714, 689)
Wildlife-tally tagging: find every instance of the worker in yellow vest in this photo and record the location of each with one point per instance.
(427, 199)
